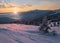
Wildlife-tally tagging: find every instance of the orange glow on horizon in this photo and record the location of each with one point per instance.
(13, 9)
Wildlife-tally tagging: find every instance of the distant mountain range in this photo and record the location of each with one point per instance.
(35, 14)
(31, 16)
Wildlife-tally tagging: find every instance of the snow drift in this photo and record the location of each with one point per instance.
(19, 33)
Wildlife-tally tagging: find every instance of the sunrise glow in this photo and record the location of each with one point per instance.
(27, 5)
(15, 12)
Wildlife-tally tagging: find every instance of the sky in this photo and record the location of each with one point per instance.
(26, 5)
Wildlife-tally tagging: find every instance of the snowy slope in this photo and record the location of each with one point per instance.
(19, 33)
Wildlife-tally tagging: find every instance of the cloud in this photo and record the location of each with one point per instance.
(41, 5)
(47, 5)
(29, 5)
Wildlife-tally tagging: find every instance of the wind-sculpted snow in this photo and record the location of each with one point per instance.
(19, 33)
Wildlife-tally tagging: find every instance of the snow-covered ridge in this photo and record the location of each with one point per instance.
(20, 33)
(18, 26)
